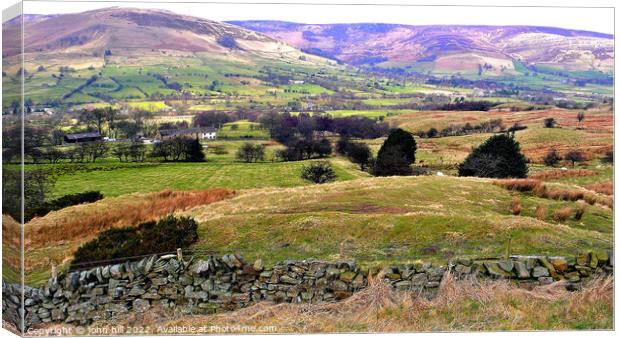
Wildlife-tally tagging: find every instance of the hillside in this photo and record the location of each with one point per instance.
(448, 48)
(128, 53)
(118, 28)
(372, 220)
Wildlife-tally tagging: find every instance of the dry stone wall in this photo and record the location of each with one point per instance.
(228, 283)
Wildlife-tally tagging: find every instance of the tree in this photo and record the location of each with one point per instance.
(549, 122)
(36, 186)
(251, 153)
(574, 156)
(392, 162)
(609, 157)
(342, 144)
(359, 153)
(52, 155)
(396, 155)
(581, 116)
(322, 147)
(318, 172)
(211, 119)
(403, 141)
(193, 152)
(128, 128)
(94, 118)
(94, 150)
(498, 157)
(552, 158)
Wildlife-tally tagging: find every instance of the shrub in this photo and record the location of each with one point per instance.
(552, 158)
(318, 172)
(541, 212)
(515, 206)
(144, 239)
(609, 157)
(562, 214)
(574, 156)
(549, 122)
(499, 157)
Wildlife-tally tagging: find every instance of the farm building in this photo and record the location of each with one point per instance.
(205, 133)
(82, 137)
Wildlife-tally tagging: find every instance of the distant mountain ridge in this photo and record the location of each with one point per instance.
(449, 48)
(140, 30)
(433, 49)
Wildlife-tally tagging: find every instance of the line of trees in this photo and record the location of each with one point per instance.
(179, 149)
(490, 126)
(284, 127)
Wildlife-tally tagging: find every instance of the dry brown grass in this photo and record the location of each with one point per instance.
(562, 214)
(556, 174)
(85, 221)
(541, 212)
(518, 184)
(467, 305)
(606, 188)
(539, 189)
(515, 206)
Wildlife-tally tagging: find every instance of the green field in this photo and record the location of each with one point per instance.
(243, 129)
(392, 219)
(188, 176)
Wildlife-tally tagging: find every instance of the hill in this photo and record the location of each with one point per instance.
(373, 220)
(492, 50)
(130, 54)
(117, 28)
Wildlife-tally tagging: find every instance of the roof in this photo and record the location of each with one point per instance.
(82, 135)
(172, 132)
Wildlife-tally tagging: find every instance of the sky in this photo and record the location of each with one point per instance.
(591, 19)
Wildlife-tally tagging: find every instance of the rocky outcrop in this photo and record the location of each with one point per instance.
(228, 283)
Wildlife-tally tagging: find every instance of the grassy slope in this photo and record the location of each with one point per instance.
(392, 219)
(187, 176)
(379, 219)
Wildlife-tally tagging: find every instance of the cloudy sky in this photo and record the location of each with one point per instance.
(592, 19)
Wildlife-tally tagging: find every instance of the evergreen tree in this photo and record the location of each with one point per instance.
(392, 162)
(498, 157)
(396, 155)
(401, 140)
(194, 151)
